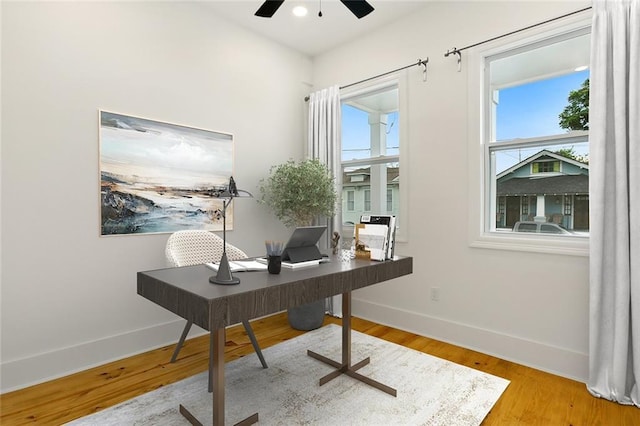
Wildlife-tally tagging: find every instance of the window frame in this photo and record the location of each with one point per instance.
(481, 186)
(399, 81)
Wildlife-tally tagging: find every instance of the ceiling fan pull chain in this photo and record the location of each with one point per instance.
(320, 10)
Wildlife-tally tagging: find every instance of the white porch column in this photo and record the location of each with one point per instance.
(378, 178)
(540, 215)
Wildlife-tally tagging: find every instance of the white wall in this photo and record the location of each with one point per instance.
(68, 295)
(522, 306)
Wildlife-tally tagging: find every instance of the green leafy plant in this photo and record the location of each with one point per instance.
(298, 192)
(575, 116)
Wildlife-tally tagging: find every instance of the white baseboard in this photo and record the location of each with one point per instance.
(24, 372)
(20, 373)
(551, 359)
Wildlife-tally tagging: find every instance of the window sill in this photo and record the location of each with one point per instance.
(570, 246)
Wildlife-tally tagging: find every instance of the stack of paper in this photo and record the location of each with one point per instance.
(390, 221)
(241, 266)
(290, 265)
(371, 238)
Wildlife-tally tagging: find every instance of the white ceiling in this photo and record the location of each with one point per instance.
(311, 34)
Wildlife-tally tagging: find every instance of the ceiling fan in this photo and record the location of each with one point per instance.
(360, 8)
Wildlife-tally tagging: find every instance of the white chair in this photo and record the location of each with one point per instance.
(196, 247)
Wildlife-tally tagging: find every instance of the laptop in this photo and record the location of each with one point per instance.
(303, 244)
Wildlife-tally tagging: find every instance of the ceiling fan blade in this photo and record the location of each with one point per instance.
(360, 8)
(268, 8)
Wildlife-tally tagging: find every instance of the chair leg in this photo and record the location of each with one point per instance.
(254, 342)
(187, 327)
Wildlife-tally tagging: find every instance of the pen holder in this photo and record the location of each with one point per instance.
(274, 264)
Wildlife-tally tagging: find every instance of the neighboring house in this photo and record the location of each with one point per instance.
(356, 194)
(545, 187)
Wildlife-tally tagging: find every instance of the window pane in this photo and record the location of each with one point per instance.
(527, 227)
(370, 130)
(529, 86)
(370, 124)
(536, 147)
(549, 229)
(542, 184)
(367, 200)
(356, 142)
(532, 109)
(350, 200)
(359, 197)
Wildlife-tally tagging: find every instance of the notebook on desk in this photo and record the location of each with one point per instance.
(303, 244)
(241, 265)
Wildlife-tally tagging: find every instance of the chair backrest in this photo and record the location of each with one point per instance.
(195, 247)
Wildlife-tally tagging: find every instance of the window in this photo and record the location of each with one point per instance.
(528, 227)
(545, 167)
(567, 205)
(367, 200)
(371, 152)
(525, 205)
(536, 159)
(350, 200)
(550, 229)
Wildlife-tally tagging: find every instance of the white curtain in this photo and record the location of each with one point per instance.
(324, 145)
(614, 127)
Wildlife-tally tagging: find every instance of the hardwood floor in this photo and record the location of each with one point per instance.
(532, 398)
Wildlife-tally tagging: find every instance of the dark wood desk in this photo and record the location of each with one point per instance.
(187, 292)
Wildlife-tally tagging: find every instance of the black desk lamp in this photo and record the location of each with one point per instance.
(224, 276)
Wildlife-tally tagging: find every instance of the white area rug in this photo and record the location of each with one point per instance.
(431, 391)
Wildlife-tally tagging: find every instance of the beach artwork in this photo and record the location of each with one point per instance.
(157, 177)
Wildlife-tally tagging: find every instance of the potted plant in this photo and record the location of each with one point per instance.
(299, 192)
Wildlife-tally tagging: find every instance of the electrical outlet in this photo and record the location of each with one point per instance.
(435, 294)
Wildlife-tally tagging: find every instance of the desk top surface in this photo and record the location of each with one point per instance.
(195, 279)
(187, 291)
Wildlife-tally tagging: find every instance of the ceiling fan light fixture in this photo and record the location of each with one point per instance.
(359, 8)
(300, 11)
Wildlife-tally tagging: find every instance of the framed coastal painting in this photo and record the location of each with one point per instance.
(157, 177)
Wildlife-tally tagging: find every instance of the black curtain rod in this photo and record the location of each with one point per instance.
(455, 51)
(420, 62)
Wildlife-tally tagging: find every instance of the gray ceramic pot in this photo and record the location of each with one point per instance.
(307, 317)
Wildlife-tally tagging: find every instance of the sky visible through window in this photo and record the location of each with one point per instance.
(531, 110)
(525, 111)
(356, 134)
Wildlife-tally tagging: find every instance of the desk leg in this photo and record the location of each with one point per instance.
(218, 337)
(345, 367)
(216, 381)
